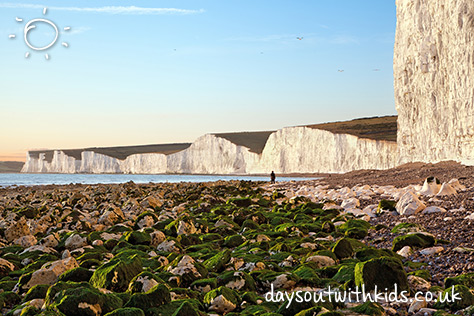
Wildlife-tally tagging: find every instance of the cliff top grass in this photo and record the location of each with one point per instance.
(121, 152)
(10, 166)
(378, 128)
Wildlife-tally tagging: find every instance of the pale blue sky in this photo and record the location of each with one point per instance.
(144, 75)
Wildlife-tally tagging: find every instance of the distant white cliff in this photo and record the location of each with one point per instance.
(290, 150)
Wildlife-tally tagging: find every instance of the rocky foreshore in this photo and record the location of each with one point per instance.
(220, 248)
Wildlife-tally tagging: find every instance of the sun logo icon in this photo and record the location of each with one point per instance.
(31, 25)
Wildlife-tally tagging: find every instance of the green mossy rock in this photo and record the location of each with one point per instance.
(137, 238)
(78, 274)
(9, 299)
(37, 291)
(217, 262)
(386, 205)
(128, 311)
(382, 272)
(415, 240)
(310, 311)
(240, 202)
(405, 228)
(204, 285)
(233, 241)
(308, 275)
(138, 282)
(369, 308)
(155, 297)
(7, 285)
(467, 298)
(116, 274)
(343, 249)
(227, 294)
(463, 279)
(187, 309)
(424, 274)
(237, 280)
(85, 301)
(371, 253)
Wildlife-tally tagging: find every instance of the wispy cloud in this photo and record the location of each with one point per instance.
(343, 40)
(132, 10)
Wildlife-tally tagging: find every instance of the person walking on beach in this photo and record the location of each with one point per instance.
(272, 177)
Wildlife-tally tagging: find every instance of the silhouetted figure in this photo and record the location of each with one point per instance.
(272, 177)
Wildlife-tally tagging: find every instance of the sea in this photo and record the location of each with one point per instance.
(30, 179)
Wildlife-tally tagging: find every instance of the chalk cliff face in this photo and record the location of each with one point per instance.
(434, 80)
(290, 150)
(303, 149)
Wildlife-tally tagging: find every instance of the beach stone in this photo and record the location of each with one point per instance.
(454, 183)
(26, 241)
(446, 189)
(146, 221)
(52, 240)
(431, 186)
(343, 249)
(431, 250)
(111, 216)
(186, 228)
(157, 237)
(75, 241)
(433, 209)
(417, 305)
(418, 284)
(6, 267)
(143, 282)
(463, 249)
(409, 204)
(39, 248)
(168, 246)
(321, 261)
(405, 252)
(350, 203)
(426, 312)
(383, 272)
(470, 217)
(50, 272)
(186, 268)
(17, 229)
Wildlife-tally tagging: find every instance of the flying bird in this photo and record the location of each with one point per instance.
(299, 38)
(376, 69)
(340, 70)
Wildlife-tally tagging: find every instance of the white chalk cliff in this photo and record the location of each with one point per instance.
(434, 80)
(290, 150)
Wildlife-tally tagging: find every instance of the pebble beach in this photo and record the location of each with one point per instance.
(218, 248)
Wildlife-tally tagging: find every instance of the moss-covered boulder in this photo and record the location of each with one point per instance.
(236, 280)
(204, 285)
(116, 274)
(405, 228)
(155, 297)
(137, 238)
(383, 273)
(144, 282)
(187, 309)
(414, 240)
(355, 228)
(466, 279)
(455, 298)
(221, 300)
(233, 241)
(343, 249)
(369, 308)
(128, 311)
(386, 205)
(84, 301)
(37, 291)
(78, 274)
(217, 262)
